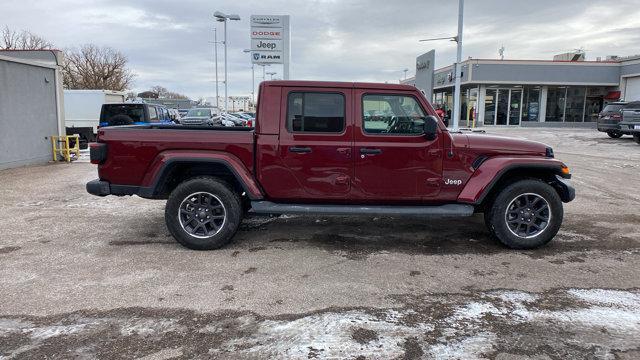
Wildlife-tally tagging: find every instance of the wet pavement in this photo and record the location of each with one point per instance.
(87, 277)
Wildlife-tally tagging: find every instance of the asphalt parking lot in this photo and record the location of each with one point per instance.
(87, 277)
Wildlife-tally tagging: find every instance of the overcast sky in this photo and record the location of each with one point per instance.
(168, 42)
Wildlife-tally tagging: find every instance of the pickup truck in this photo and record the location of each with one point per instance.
(322, 148)
(630, 123)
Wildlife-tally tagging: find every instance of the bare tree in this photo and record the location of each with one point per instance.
(22, 40)
(93, 67)
(164, 93)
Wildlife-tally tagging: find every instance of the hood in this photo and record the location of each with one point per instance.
(501, 145)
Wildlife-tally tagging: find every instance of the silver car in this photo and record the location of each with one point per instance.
(201, 116)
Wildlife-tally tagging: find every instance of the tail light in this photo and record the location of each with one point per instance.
(250, 123)
(616, 116)
(97, 152)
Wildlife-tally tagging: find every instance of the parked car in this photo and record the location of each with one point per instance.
(133, 114)
(319, 156)
(236, 120)
(201, 116)
(183, 112)
(609, 119)
(250, 119)
(630, 123)
(174, 115)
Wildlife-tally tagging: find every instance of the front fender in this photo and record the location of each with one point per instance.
(492, 170)
(162, 163)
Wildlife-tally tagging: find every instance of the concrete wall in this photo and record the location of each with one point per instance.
(28, 113)
(563, 74)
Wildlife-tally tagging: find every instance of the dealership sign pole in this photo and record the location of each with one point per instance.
(271, 41)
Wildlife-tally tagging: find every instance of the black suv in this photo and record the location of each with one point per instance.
(630, 123)
(133, 113)
(609, 119)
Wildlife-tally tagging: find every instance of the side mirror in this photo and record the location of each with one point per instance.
(430, 127)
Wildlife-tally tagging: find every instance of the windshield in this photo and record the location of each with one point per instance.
(612, 107)
(134, 111)
(199, 113)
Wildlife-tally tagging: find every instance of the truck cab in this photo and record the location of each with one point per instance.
(335, 148)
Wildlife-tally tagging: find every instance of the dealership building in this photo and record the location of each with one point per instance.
(559, 92)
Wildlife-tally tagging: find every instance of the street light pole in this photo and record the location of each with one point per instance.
(456, 95)
(215, 52)
(253, 77)
(226, 72)
(224, 18)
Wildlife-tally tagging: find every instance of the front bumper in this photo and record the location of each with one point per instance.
(564, 188)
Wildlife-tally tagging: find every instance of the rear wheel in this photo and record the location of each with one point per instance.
(614, 134)
(120, 120)
(525, 214)
(203, 213)
(636, 138)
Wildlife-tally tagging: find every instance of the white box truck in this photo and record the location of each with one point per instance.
(82, 111)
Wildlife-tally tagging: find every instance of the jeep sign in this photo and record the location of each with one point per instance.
(271, 41)
(266, 45)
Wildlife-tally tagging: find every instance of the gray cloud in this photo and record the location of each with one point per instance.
(168, 42)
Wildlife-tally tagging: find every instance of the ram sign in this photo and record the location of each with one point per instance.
(270, 40)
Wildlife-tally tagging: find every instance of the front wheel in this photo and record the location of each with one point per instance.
(525, 214)
(203, 213)
(614, 134)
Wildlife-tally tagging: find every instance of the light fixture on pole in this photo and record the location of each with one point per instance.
(405, 73)
(253, 77)
(271, 73)
(458, 66)
(222, 17)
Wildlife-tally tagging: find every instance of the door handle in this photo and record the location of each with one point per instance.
(299, 149)
(366, 151)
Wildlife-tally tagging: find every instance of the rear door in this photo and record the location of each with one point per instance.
(393, 159)
(315, 146)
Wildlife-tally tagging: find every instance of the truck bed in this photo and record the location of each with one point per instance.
(132, 149)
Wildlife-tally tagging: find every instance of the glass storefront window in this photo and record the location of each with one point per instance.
(556, 98)
(490, 106)
(531, 105)
(472, 106)
(575, 104)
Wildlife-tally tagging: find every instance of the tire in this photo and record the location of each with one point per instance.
(533, 232)
(209, 234)
(636, 138)
(121, 119)
(614, 134)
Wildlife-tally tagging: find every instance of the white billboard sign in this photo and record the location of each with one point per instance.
(271, 41)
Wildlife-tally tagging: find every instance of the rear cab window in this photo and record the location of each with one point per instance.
(315, 112)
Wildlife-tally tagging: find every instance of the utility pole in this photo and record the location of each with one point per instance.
(457, 106)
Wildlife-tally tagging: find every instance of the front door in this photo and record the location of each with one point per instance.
(393, 159)
(316, 144)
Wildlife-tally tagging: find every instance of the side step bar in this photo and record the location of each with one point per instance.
(268, 207)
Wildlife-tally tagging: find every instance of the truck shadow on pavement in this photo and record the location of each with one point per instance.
(357, 238)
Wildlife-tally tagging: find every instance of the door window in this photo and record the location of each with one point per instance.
(392, 114)
(315, 112)
(153, 114)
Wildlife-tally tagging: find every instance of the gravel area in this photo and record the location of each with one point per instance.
(89, 277)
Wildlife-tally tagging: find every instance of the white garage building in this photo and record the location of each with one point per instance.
(31, 106)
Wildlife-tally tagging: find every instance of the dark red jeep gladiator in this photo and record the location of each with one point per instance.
(334, 148)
